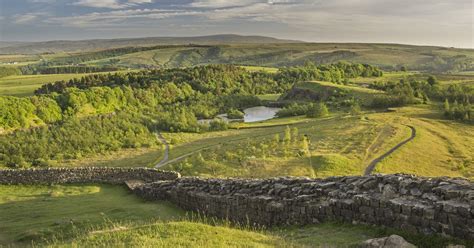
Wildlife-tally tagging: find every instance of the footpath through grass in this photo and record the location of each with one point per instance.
(441, 147)
(337, 145)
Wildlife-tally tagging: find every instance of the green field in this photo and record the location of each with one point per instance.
(340, 144)
(142, 157)
(31, 213)
(269, 97)
(25, 85)
(388, 56)
(365, 95)
(444, 79)
(441, 148)
(261, 68)
(110, 216)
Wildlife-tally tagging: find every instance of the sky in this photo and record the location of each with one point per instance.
(421, 22)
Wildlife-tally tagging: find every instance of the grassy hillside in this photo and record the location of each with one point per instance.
(110, 216)
(324, 91)
(25, 85)
(441, 148)
(31, 213)
(444, 79)
(89, 45)
(338, 146)
(251, 51)
(387, 56)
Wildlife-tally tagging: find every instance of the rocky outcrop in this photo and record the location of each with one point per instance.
(421, 205)
(393, 241)
(84, 175)
(306, 94)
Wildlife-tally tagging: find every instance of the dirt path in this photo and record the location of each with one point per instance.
(166, 161)
(167, 151)
(374, 162)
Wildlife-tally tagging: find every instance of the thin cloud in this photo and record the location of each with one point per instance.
(140, 1)
(117, 17)
(222, 3)
(26, 18)
(111, 4)
(404, 21)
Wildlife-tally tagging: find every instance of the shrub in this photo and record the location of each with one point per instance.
(235, 114)
(218, 125)
(293, 110)
(355, 109)
(317, 110)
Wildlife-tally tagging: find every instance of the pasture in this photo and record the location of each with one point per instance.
(34, 213)
(390, 57)
(338, 145)
(25, 85)
(105, 216)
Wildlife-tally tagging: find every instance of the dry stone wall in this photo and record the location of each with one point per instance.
(84, 175)
(422, 205)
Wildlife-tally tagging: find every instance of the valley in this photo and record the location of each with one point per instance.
(312, 110)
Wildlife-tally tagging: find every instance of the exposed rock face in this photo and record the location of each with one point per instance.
(84, 175)
(422, 205)
(393, 241)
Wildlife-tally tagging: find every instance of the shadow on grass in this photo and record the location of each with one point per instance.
(64, 211)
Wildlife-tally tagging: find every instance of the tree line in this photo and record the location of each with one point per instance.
(74, 138)
(9, 71)
(103, 113)
(74, 69)
(222, 79)
(457, 98)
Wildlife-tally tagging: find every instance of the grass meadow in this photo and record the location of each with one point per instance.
(25, 85)
(110, 216)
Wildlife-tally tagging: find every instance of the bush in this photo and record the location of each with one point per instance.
(388, 102)
(235, 114)
(218, 125)
(9, 71)
(317, 110)
(293, 110)
(355, 109)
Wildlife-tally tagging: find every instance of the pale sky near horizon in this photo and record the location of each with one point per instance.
(421, 22)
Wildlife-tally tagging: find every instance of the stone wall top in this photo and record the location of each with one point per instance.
(83, 175)
(424, 205)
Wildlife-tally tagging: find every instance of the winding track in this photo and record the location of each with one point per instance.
(370, 168)
(167, 151)
(374, 162)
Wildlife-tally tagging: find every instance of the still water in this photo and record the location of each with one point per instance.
(260, 113)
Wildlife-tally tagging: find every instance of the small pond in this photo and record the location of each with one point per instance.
(260, 113)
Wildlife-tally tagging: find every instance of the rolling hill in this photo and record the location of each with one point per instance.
(100, 44)
(386, 56)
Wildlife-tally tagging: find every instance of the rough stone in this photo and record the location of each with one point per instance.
(286, 201)
(437, 205)
(84, 175)
(393, 241)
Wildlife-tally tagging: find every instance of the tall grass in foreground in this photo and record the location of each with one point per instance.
(197, 230)
(193, 230)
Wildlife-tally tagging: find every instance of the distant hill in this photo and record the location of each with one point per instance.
(386, 56)
(169, 52)
(100, 44)
(10, 43)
